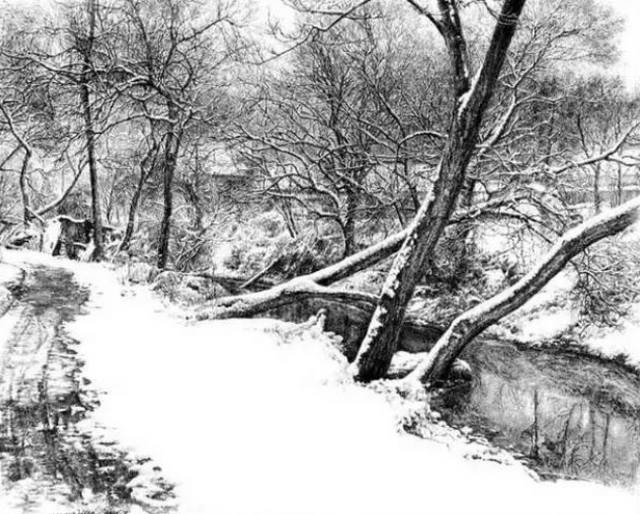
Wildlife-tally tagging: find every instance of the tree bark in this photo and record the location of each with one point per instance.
(472, 99)
(471, 323)
(133, 213)
(168, 171)
(350, 221)
(85, 96)
(619, 190)
(24, 192)
(463, 234)
(597, 203)
(145, 173)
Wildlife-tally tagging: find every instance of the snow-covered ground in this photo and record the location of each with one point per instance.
(247, 417)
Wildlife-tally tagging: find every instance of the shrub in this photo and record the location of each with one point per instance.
(607, 280)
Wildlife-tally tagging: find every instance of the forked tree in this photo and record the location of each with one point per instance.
(473, 92)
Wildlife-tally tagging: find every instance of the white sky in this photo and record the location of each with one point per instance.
(629, 66)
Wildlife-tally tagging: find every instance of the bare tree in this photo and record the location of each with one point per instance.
(471, 99)
(471, 323)
(28, 153)
(65, 52)
(178, 76)
(345, 132)
(85, 45)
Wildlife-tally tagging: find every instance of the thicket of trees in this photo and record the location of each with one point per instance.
(427, 121)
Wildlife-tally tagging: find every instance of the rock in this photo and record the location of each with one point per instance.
(51, 236)
(141, 273)
(167, 282)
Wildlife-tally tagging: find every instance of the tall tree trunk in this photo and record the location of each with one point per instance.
(191, 196)
(597, 203)
(168, 171)
(284, 206)
(131, 218)
(350, 221)
(619, 195)
(89, 132)
(470, 324)
(381, 339)
(463, 233)
(133, 211)
(27, 215)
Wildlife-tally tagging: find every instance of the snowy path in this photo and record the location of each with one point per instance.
(245, 418)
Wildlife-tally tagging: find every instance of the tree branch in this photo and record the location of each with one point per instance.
(473, 322)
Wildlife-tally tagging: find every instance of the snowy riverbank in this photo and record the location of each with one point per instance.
(245, 418)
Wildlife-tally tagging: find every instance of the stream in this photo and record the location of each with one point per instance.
(569, 415)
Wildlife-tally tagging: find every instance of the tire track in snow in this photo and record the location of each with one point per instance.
(49, 450)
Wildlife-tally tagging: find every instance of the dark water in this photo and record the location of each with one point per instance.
(569, 415)
(45, 451)
(351, 324)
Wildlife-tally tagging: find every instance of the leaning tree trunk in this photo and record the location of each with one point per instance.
(462, 234)
(619, 196)
(89, 132)
(133, 213)
(472, 99)
(24, 192)
(471, 323)
(169, 168)
(146, 168)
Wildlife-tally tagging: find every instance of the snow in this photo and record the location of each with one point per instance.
(258, 416)
(8, 273)
(547, 314)
(464, 99)
(51, 236)
(622, 340)
(8, 321)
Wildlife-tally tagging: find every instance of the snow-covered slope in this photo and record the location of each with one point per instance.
(247, 417)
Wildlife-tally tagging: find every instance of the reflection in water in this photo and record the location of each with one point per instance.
(572, 416)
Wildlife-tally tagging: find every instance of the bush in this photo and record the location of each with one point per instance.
(607, 280)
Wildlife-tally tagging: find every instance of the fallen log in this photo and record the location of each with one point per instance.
(235, 284)
(293, 291)
(248, 304)
(419, 333)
